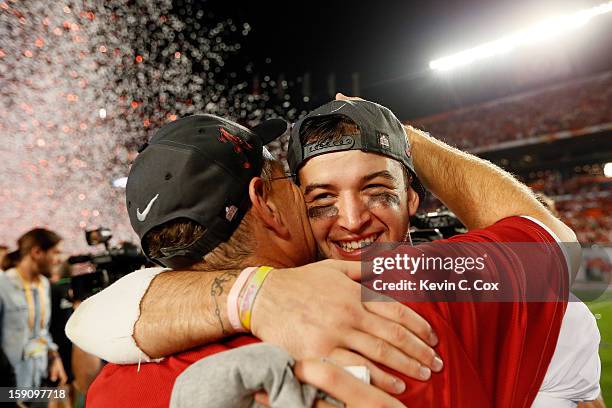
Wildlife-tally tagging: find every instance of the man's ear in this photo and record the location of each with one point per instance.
(265, 209)
(413, 201)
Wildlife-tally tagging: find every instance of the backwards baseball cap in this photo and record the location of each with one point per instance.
(198, 167)
(380, 132)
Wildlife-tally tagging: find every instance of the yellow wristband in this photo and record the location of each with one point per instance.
(247, 301)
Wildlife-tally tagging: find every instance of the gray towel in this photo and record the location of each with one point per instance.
(230, 378)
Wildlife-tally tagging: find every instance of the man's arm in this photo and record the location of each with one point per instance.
(311, 311)
(479, 192)
(190, 305)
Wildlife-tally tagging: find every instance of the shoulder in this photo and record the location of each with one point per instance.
(511, 229)
(3, 278)
(8, 281)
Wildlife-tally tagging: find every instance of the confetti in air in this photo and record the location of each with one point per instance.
(84, 83)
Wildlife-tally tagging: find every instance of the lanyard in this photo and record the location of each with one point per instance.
(30, 301)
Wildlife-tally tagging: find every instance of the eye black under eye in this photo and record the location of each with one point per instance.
(385, 198)
(322, 211)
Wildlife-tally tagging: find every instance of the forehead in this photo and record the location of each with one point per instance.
(349, 167)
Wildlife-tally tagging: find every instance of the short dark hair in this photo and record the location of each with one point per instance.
(332, 128)
(327, 128)
(38, 237)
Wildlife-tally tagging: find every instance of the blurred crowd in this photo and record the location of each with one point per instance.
(566, 107)
(584, 202)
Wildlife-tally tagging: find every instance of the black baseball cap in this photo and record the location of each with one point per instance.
(198, 167)
(379, 132)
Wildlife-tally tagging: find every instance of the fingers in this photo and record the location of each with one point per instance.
(405, 329)
(378, 377)
(390, 330)
(405, 316)
(382, 352)
(341, 385)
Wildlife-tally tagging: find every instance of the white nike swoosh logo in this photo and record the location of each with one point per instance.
(339, 107)
(143, 215)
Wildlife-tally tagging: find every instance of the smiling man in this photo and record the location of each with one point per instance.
(360, 188)
(385, 194)
(354, 197)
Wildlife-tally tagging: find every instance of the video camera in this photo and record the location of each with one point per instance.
(110, 265)
(433, 226)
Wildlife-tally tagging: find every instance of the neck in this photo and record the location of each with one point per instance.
(27, 270)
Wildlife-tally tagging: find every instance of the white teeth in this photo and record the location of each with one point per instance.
(350, 246)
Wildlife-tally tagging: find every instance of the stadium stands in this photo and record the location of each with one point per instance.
(573, 106)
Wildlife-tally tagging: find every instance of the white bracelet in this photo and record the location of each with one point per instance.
(232, 299)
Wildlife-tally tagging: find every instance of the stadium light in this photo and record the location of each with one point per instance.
(608, 169)
(532, 35)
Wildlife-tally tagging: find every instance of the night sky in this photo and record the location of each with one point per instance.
(390, 44)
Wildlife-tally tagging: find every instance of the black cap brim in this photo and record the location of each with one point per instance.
(271, 130)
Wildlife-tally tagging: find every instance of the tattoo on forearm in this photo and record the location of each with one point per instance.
(217, 288)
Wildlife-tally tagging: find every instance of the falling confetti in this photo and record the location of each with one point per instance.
(84, 83)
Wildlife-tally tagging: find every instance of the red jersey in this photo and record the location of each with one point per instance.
(521, 336)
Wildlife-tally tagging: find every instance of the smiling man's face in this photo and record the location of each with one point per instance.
(354, 199)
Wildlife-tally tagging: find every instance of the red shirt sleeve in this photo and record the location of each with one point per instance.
(495, 353)
(150, 385)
